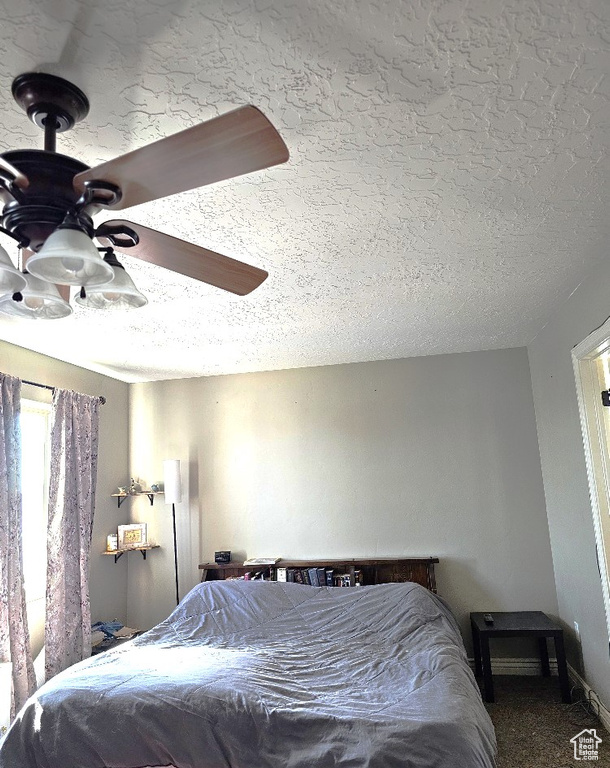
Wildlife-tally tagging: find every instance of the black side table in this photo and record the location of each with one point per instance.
(518, 624)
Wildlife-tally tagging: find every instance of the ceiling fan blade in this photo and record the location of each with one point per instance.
(20, 179)
(186, 258)
(231, 145)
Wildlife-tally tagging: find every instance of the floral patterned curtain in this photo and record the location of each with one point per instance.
(14, 634)
(73, 473)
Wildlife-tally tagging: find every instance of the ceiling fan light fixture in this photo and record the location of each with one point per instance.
(120, 293)
(40, 301)
(11, 279)
(50, 200)
(69, 257)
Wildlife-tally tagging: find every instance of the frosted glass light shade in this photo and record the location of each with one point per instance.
(41, 301)
(11, 279)
(172, 484)
(69, 257)
(120, 293)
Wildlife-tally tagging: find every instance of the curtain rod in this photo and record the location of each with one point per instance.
(101, 398)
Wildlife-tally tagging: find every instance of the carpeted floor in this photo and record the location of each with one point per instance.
(534, 728)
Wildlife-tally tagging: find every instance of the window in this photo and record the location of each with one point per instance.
(35, 419)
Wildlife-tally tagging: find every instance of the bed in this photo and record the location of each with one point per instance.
(269, 675)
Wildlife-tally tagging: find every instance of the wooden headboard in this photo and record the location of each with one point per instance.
(366, 571)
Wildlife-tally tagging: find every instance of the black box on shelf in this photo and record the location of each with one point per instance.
(222, 558)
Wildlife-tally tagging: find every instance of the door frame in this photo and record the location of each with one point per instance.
(584, 359)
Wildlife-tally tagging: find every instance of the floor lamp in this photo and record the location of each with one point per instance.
(173, 495)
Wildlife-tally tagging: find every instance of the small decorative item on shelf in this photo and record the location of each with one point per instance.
(156, 487)
(122, 489)
(132, 536)
(112, 542)
(135, 487)
(222, 558)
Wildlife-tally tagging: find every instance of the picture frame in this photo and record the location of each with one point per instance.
(132, 536)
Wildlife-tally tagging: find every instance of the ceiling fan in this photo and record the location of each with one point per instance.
(50, 199)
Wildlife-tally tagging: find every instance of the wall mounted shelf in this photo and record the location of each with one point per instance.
(118, 552)
(120, 497)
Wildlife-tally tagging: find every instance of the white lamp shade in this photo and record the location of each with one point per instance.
(172, 484)
(120, 293)
(41, 301)
(69, 257)
(11, 279)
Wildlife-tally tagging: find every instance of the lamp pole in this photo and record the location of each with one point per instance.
(175, 552)
(173, 496)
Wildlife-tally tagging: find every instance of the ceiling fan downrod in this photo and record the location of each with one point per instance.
(51, 124)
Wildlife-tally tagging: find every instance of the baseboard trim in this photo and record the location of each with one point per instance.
(517, 666)
(604, 713)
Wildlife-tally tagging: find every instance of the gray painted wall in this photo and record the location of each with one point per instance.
(565, 479)
(431, 455)
(108, 582)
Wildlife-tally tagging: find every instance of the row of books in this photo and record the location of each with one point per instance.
(318, 577)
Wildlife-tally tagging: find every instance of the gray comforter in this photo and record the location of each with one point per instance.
(269, 675)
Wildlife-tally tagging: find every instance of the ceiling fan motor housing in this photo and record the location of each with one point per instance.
(43, 205)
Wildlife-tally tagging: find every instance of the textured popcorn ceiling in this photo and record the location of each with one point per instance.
(446, 186)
